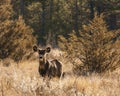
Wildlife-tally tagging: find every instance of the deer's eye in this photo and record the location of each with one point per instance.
(42, 52)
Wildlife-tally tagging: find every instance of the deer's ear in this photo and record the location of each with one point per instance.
(48, 49)
(35, 48)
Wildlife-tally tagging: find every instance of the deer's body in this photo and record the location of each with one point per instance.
(48, 68)
(43, 67)
(55, 68)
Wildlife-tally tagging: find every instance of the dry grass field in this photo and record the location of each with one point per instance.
(23, 79)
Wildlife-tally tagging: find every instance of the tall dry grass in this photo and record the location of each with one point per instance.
(23, 79)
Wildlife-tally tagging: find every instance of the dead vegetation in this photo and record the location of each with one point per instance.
(97, 47)
(24, 80)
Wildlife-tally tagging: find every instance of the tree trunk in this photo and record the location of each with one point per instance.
(76, 17)
(91, 4)
(112, 21)
(22, 8)
(42, 31)
(51, 33)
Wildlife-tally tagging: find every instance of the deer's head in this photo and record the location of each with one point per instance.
(42, 52)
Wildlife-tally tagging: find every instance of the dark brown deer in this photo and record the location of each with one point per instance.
(48, 68)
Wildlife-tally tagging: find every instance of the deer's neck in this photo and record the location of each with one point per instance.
(42, 63)
(43, 67)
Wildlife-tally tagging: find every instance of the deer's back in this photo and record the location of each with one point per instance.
(55, 68)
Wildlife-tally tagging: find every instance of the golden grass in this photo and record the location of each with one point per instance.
(24, 80)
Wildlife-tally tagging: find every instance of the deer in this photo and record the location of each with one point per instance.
(47, 68)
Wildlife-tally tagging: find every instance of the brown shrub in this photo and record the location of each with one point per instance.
(16, 37)
(97, 47)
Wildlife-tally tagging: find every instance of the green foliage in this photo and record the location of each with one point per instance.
(95, 47)
(15, 36)
(33, 16)
(50, 18)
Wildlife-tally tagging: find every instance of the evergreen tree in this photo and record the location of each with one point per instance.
(15, 36)
(95, 47)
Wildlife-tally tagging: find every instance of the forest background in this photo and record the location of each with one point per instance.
(84, 36)
(71, 25)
